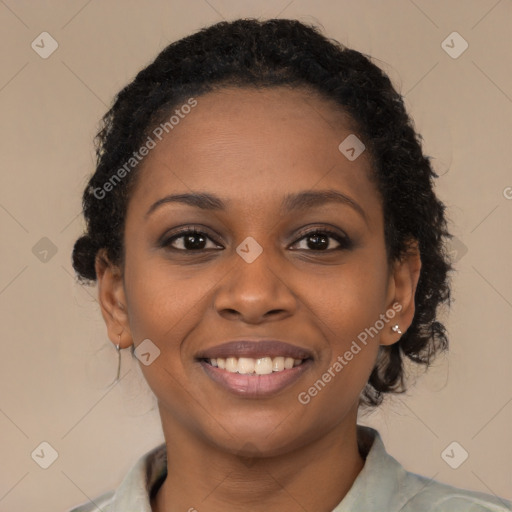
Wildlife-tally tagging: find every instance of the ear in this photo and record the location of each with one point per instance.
(112, 300)
(403, 282)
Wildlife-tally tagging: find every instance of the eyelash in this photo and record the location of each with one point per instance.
(344, 242)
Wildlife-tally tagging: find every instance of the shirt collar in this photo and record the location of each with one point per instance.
(379, 482)
(141, 482)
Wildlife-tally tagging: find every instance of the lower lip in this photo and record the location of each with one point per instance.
(255, 386)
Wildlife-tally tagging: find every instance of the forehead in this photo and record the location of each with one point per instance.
(253, 147)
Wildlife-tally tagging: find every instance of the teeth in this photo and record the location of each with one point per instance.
(263, 366)
(245, 365)
(278, 364)
(250, 366)
(231, 364)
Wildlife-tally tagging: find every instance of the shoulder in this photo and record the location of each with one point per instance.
(433, 496)
(384, 484)
(102, 503)
(135, 490)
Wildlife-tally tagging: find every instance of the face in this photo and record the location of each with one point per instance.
(270, 260)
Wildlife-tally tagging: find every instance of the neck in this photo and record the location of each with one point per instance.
(201, 477)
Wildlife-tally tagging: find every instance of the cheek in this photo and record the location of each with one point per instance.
(163, 310)
(348, 308)
(161, 301)
(165, 305)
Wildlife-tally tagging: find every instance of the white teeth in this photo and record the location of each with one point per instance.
(288, 362)
(245, 365)
(278, 364)
(231, 364)
(250, 366)
(263, 366)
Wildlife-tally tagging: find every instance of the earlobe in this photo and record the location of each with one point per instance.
(112, 300)
(403, 285)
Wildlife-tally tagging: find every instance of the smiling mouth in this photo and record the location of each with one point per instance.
(255, 366)
(258, 378)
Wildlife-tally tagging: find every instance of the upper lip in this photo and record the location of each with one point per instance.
(255, 349)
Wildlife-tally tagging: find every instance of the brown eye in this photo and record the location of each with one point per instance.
(322, 240)
(189, 240)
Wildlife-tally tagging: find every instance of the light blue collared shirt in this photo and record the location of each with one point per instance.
(383, 485)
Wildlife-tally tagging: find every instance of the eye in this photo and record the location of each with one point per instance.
(188, 240)
(320, 240)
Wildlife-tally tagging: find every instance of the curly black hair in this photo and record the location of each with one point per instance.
(282, 52)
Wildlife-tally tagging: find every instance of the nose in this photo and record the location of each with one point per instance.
(255, 292)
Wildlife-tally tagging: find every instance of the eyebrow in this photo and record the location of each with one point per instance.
(290, 203)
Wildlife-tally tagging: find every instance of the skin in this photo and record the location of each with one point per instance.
(251, 148)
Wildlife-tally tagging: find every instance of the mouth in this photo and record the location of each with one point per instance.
(255, 369)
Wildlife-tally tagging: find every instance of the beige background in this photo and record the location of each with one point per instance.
(56, 360)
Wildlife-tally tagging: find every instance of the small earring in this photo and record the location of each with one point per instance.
(396, 328)
(118, 360)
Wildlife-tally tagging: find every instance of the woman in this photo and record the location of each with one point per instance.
(265, 237)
